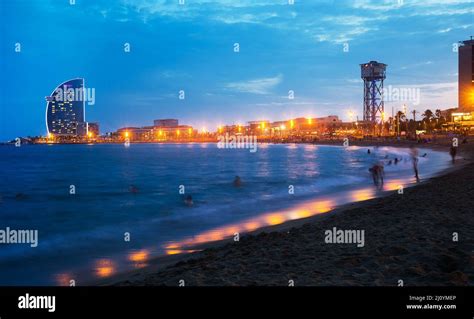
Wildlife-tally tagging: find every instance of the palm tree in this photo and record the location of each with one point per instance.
(400, 118)
(439, 118)
(427, 116)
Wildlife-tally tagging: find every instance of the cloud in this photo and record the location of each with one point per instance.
(245, 18)
(326, 21)
(255, 86)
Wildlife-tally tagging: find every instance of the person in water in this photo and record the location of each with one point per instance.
(188, 201)
(414, 159)
(368, 151)
(237, 181)
(377, 172)
(133, 189)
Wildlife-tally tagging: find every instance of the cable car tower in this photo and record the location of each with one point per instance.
(373, 74)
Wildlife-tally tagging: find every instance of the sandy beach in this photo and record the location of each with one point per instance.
(409, 237)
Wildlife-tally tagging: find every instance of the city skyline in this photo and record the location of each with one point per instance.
(279, 51)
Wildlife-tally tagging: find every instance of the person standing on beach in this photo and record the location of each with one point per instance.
(377, 172)
(453, 152)
(414, 159)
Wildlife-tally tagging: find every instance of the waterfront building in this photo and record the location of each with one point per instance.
(166, 122)
(65, 114)
(466, 76)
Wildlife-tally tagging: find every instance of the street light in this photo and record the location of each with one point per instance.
(351, 115)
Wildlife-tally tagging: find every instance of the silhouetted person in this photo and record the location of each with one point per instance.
(237, 181)
(377, 175)
(453, 152)
(368, 151)
(414, 159)
(188, 201)
(20, 196)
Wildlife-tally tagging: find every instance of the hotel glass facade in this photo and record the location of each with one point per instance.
(65, 109)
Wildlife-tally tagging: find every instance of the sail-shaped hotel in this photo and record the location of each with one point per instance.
(65, 109)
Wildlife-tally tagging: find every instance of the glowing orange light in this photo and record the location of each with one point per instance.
(303, 213)
(324, 206)
(172, 246)
(362, 194)
(250, 226)
(104, 268)
(177, 132)
(89, 134)
(139, 256)
(190, 131)
(174, 252)
(240, 129)
(275, 219)
(310, 120)
(126, 134)
(292, 124)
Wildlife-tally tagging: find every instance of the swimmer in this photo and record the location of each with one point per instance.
(189, 201)
(237, 181)
(20, 196)
(133, 189)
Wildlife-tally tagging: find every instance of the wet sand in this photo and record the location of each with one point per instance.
(408, 237)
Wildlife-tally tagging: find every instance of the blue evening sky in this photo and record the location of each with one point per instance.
(190, 47)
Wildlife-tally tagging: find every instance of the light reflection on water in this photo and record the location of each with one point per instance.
(320, 204)
(305, 210)
(104, 267)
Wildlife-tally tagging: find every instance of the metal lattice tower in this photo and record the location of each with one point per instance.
(373, 74)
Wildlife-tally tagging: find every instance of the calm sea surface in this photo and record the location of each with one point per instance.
(83, 236)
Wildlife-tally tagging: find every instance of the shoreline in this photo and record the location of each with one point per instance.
(161, 265)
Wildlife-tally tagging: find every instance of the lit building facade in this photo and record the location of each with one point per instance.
(166, 122)
(93, 129)
(466, 76)
(65, 109)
